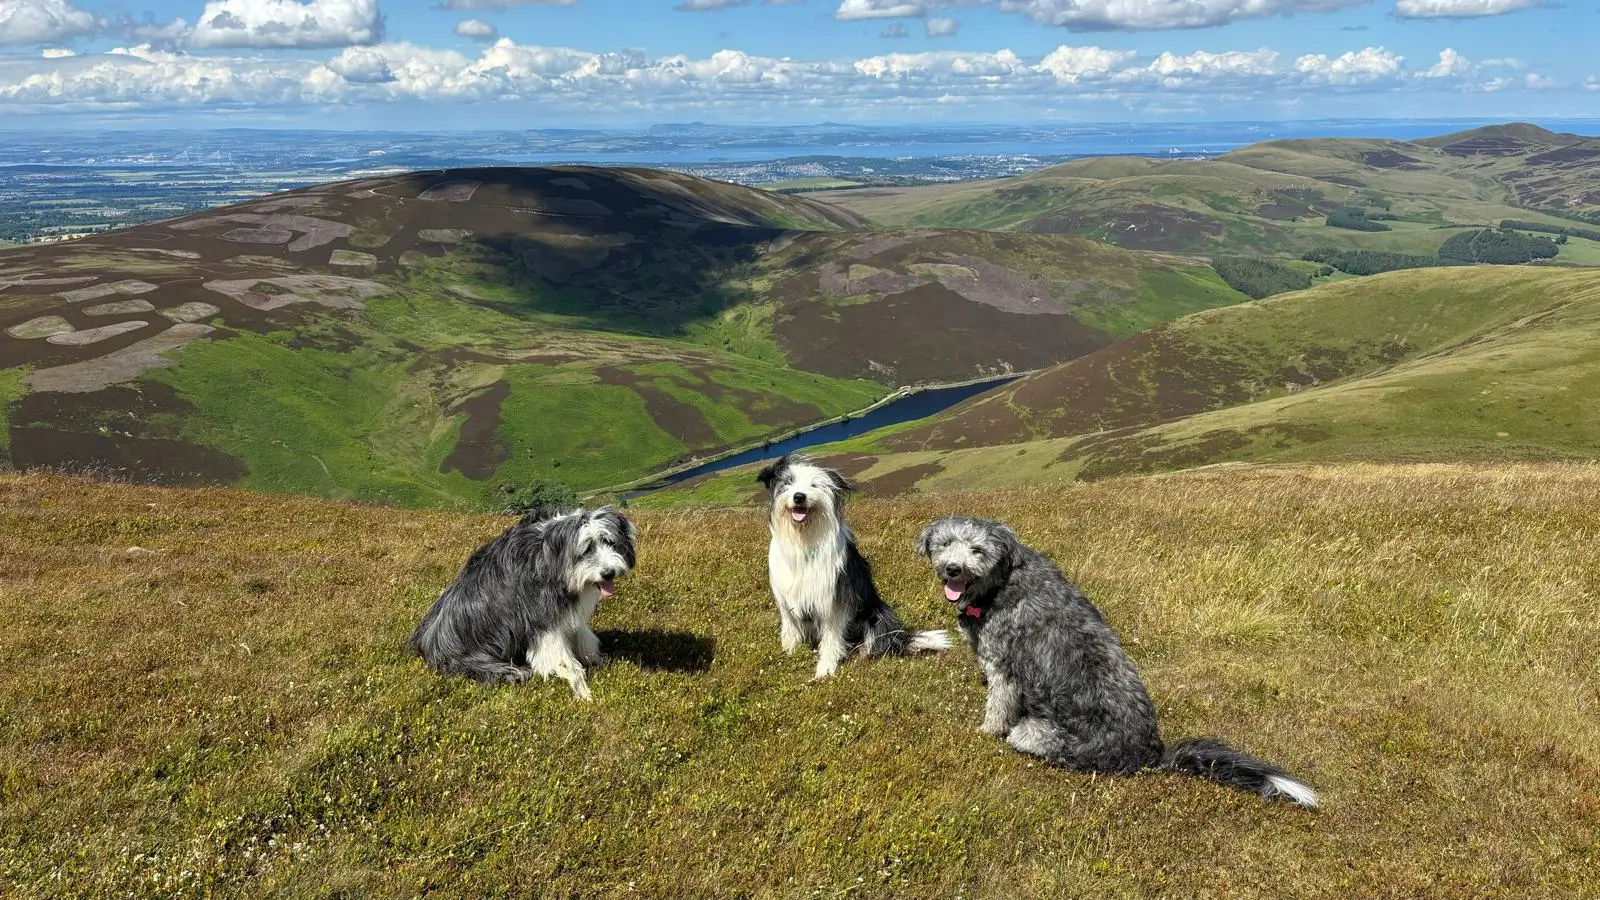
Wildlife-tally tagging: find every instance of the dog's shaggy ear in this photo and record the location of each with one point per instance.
(925, 540)
(558, 534)
(770, 474)
(1010, 544)
(841, 484)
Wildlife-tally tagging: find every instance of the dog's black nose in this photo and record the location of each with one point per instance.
(951, 570)
(608, 574)
(799, 499)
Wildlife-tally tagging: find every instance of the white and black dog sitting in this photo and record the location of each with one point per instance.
(521, 605)
(1060, 686)
(822, 583)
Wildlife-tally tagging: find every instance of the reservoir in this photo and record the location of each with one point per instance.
(909, 408)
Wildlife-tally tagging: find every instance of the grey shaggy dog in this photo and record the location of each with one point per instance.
(522, 603)
(822, 584)
(1060, 686)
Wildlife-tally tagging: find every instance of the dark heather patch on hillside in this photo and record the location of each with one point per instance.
(902, 481)
(969, 338)
(850, 465)
(1314, 199)
(1282, 212)
(148, 460)
(1389, 159)
(677, 418)
(1142, 227)
(480, 449)
(1139, 381)
(126, 430)
(1575, 153)
(893, 484)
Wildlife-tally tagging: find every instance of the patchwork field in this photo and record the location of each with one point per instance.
(1273, 198)
(436, 338)
(203, 692)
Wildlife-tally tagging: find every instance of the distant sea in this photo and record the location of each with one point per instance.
(1089, 140)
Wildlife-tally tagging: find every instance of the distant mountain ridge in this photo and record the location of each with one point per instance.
(1272, 198)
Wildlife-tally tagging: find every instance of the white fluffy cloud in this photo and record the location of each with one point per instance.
(1159, 15)
(1234, 67)
(1365, 66)
(851, 10)
(287, 23)
(1460, 9)
(466, 5)
(560, 78)
(1070, 65)
(941, 27)
(476, 29)
(24, 22)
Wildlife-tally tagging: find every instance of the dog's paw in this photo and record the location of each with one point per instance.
(994, 729)
(580, 689)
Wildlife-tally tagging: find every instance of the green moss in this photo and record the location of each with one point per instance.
(1163, 295)
(11, 391)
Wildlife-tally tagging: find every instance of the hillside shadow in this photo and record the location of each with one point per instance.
(654, 650)
(654, 283)
(606, 251)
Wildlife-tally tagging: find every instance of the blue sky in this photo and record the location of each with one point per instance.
(550, 63)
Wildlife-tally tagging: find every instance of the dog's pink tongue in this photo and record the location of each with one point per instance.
(799, 515)
(954, 590)
(608, 587)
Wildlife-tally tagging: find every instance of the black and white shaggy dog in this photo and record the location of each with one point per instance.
(1060, 686)
(822, 583)
(521, 605)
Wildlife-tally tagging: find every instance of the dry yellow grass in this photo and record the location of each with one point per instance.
(227, 710)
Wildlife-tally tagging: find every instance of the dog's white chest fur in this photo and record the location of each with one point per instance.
(805, 573)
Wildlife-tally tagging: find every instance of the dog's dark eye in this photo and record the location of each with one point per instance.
(978, 552)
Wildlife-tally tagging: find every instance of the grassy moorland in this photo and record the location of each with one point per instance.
(429, 339)
(1274, 197)
(203, 693)
(1492, 363)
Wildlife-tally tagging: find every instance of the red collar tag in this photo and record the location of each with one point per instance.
(974, 611)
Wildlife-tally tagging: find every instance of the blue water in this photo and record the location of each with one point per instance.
(1081, 140)
(907, 409)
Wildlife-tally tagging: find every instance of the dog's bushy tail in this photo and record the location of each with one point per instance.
(1207, 758)
(885, 635)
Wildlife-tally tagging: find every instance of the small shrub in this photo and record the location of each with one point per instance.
(539, 492)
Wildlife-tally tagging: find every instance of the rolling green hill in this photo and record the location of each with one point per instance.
(433, 338)
(1274, 198)
(1488, 363)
